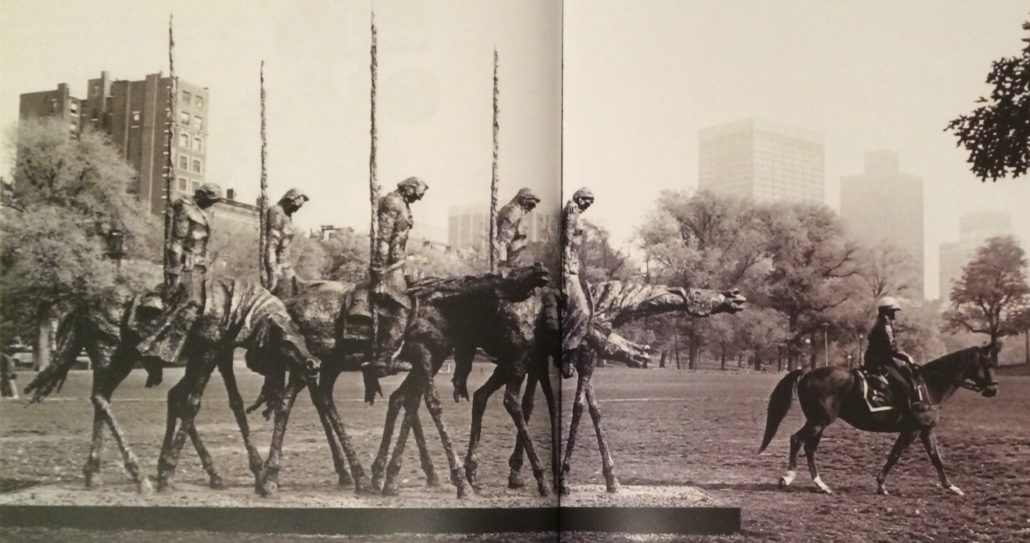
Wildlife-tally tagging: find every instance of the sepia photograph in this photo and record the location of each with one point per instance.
(455, 270)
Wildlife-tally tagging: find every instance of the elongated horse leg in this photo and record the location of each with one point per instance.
(423, 371)
(797, 439)
(578, 404)
(930, 443)
(331, 418)
(105, 380)
(479, 401)
(552, 411)
(810, 447)
(515, 461)
(423, 450)
(607, 465)
(268, 482)
(326, 383)
(900, 444)
(511, 403)
(239, 411)
(195, 382)
(394, 468)
(396, 401)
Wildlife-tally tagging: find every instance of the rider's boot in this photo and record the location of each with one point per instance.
(391, 335)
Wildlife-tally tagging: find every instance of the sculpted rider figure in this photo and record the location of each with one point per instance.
(884, 356)
(388, 285)
(513, 231)
(576, 310)
(279, 232)
(185, 270)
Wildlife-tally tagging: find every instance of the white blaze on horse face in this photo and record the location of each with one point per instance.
(789, 477)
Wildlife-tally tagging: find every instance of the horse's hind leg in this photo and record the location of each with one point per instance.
(268, 482)
(811, 444)
(900, 444)
(238, 409)
(423, 450)
(396, 401)
(198, 371)
(930, 443)
(479, 401)
(607, 465)
(578, 404)
(796, 441)
(394, 469)
(321, 397)
(91, 471)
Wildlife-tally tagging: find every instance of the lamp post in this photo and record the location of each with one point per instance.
(826, 342)
(116, 247)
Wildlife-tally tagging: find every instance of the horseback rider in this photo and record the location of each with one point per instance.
(279, 232)
(185, 272)
(512, 230)
(883, 356)
(388, 284)
(577, 310)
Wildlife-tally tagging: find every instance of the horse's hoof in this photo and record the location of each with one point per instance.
(432, 480)
(93, 481)
(144, 487)
(463, 492)
(564, 489)
(882, 491)
(164, 485)
(542, 488)
(267, 489)
(344, 480)
(515, 481)
(390, 490)
(787, 479)
(956, 490)
(216, 483)
(613, 488)
(822, 486)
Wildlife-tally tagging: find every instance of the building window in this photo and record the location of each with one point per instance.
(73, 107)
(186, 97)
(196, 165)
(135, 118)
(184, 118)
(198, 145)
(184, 140)
(184, 162)
(199, 103)
(200, 122)
(95, 89)
(183, 183)
(53, 104)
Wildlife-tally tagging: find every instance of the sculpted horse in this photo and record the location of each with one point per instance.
(826, 394)
(616, 303)
(447, 312)
(235, 314)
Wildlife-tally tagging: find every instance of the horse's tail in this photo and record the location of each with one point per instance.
(779, 405)
(68, 346)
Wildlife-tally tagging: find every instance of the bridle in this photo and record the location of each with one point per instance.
(963, 381)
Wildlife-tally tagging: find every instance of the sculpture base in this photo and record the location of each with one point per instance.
(328, 510)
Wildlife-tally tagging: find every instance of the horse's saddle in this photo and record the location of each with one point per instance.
(876, 391)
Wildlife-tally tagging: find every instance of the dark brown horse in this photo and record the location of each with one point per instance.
(828, 393)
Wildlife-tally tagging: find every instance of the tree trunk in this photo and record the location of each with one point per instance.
(692, 348)
(722, 357)
(1026, 348)
(812, 358)
(758, 361)
(661, 363)
(44, 337)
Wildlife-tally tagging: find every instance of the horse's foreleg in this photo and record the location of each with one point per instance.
(109, 378)
(214, 479)
(552, 411)
(607, 465)
(515, 461)
(479, 401)
(930, 443)
(321, 398)
(900, 444)
(91, 471)
(397, 398)
(511, 403)
(268, 482)
(238, 409)
(190, 406)
(578, 404)
(423, 450)
(176, 400)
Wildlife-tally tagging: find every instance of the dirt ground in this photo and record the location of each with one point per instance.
(665, 427)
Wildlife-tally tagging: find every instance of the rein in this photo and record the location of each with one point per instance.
(961, 381)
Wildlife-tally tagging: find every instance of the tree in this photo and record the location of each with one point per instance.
(70, 193)
(997, 133)
(992, 290)
(347, 256)
(888, 269)
(600, 261)
(815, 271)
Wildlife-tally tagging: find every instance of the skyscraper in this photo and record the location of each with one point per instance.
(135, 116)
(974, 229)
(884, 204)
(762, 160)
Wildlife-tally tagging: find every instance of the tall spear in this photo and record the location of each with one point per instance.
(373, 185)
(169, 149)
(263, 200)
(495, 250)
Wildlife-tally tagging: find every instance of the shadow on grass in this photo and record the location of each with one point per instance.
(14, 485)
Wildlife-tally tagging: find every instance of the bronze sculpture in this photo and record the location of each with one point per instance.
(279, 231)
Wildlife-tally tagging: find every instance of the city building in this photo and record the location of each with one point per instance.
(135, 115)
(762, 160)
(884, 204)
(468, 227)
(974, 229)
(234, 214)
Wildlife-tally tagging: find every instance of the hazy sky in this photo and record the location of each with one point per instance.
(642, 78)
(434, 89)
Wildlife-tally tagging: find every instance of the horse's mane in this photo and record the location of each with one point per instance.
(939, 364)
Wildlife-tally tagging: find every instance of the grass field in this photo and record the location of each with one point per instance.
(664, 426)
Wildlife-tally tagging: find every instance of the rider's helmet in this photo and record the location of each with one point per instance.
(888, 303)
